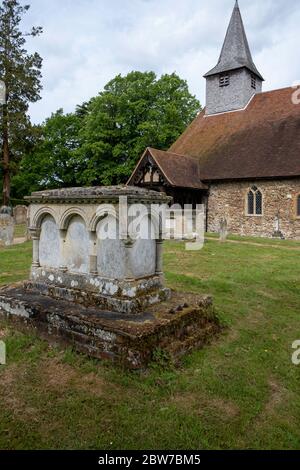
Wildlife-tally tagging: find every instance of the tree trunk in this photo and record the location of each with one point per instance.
(6, 159)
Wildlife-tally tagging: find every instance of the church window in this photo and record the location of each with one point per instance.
(224, 80)
(250, 203)
(258, 203)
(147, 177)
(255, 201)
(156, 177)
(253, 81)
(298, 205)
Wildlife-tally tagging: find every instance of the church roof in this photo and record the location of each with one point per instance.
(235, 52)
(179, 170)
(261, 141)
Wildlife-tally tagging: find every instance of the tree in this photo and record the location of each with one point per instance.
(21, 73)
(102, 141)
(132, 112)
(53, 162)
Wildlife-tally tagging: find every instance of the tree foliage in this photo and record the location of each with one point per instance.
(132, 112)
(101, 142)
(21, 73)
(53, 162)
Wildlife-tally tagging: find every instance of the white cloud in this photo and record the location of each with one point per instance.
(87, 42)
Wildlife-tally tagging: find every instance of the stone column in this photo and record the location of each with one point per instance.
(159, 257)
(128, 244)
(93, 253)
(35, 235)
(62, 241)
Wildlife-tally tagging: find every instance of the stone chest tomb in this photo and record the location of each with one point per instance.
(84, 248)
(96, 278)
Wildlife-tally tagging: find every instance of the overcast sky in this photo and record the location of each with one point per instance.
(87, 42)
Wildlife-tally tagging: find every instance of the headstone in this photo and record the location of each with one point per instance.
(6, 229)
(277, 232)
(20, 214)
(223, 230)
(5, 210)
(2, 353)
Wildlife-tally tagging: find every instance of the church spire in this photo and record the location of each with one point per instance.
(231, 84)
(235, 52)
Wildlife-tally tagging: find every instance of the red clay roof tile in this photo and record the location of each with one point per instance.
(262, 141)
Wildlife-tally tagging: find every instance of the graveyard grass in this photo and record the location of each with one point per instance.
(240, 392)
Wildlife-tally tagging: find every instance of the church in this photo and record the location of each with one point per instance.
(240, 157)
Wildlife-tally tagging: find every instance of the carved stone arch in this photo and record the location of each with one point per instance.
(40, 215)
(101, 213)
(47, 253)
(67, 216)
(76, 244)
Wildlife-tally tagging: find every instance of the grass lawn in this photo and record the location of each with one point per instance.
(240, 392)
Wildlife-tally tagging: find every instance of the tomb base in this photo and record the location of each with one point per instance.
(175, 326)
(129, 296)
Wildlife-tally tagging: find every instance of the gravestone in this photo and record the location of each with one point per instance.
(223, 230)
(20, 215)
(277, 232)
(6, 210)
(2, 353)
(6, 229)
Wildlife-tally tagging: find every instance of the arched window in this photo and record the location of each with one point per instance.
(255, 201)
(250, 203)
(298, 205)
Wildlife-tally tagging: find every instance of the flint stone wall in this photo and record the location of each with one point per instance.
(229, 200)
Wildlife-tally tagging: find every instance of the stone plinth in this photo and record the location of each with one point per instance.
(177, 326)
